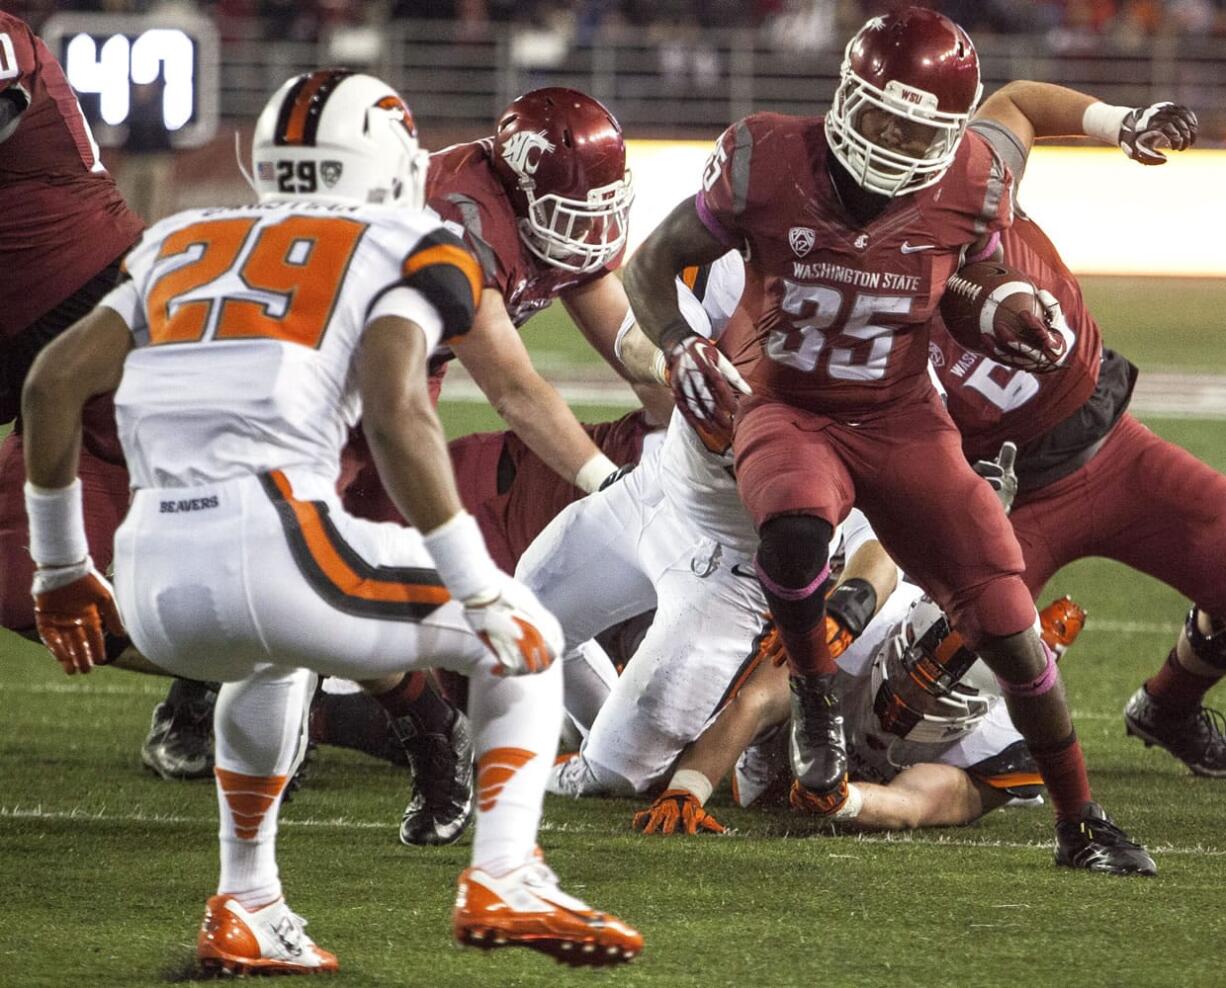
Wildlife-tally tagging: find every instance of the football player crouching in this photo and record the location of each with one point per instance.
(929, 741)
(241, 364)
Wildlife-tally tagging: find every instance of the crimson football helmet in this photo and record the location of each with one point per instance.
(927, 685)
(918, 66)
(562, 159)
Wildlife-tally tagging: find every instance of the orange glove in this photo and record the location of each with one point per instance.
(1061, 621)
(838, 640)
(71, 616)
(804, 800)
(676, 811)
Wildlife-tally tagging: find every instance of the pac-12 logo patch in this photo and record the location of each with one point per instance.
(523, 150)
(802, 239)
(935, 355)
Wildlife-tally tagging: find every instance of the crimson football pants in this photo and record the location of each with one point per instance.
(105, 497)
(903, 467)
(1141, 501)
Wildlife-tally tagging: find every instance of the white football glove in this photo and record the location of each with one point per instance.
(1000, 474)
(515, 626)
(704, 384)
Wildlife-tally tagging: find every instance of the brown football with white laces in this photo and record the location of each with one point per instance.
(983, 307)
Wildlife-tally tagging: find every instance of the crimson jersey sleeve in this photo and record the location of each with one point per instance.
(740, 177)
(975, 197)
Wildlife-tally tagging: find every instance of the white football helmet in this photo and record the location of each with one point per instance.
(927, 685)
(338, 135)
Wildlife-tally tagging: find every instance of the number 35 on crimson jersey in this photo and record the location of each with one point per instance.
(833, 313)
(277, 295)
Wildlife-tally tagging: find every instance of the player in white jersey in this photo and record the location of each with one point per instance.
(929, 744)
(671, 535)
(244, 345)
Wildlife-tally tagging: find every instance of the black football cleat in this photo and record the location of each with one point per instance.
(817, 746)
(1198, 739)
(442, 765)
(179, 744)
(1094, 843)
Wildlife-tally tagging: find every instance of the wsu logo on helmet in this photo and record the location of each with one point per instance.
(518, 151)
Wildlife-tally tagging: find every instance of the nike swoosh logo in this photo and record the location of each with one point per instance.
(907, 248)
(738, 570)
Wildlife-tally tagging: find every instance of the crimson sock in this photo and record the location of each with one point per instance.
(415, 697)
(1063, 768)
(1178, 690)
(354, 720)
(808, 651)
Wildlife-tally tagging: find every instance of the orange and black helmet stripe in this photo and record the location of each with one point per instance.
(342, 577)
(298, 120)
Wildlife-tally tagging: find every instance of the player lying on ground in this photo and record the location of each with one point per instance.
(928, 742)
(246, 344)
(831, 337)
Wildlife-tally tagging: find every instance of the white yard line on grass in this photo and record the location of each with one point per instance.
(19, 812)
(1159, 394)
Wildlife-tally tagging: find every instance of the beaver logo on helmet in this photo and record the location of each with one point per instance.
(518, 151)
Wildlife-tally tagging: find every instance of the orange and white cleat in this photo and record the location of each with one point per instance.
(270, 940)
(525, 908)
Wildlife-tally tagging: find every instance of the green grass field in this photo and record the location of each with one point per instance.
(103, 870)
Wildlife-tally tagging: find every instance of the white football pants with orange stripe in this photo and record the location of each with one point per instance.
(618, 553)
(251, 580)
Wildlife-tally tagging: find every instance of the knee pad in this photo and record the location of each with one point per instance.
(1211, 648)
(794, 550)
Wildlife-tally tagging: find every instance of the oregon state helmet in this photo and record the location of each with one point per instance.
(919, 66)
(562, 159)
(338, 135)
(927, 685)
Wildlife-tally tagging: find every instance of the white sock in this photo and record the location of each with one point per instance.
(259, 726)
(515, 726)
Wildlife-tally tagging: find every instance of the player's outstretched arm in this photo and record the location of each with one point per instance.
(72, 601)
(1033, 110)
(410, 451)
(761, 702)
(495, 356)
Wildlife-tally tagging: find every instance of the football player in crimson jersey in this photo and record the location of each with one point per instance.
(543, 203)
(63, 229)
(1081, 460)
(852, 224)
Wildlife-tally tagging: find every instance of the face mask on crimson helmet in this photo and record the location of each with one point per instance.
(907, 88)
(561, 157)
(338, 136)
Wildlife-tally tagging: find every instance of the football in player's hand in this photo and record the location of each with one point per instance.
(992, 309)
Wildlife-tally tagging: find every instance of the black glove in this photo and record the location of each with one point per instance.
(1162, 125)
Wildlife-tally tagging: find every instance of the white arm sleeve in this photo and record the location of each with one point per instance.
(409, 303)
